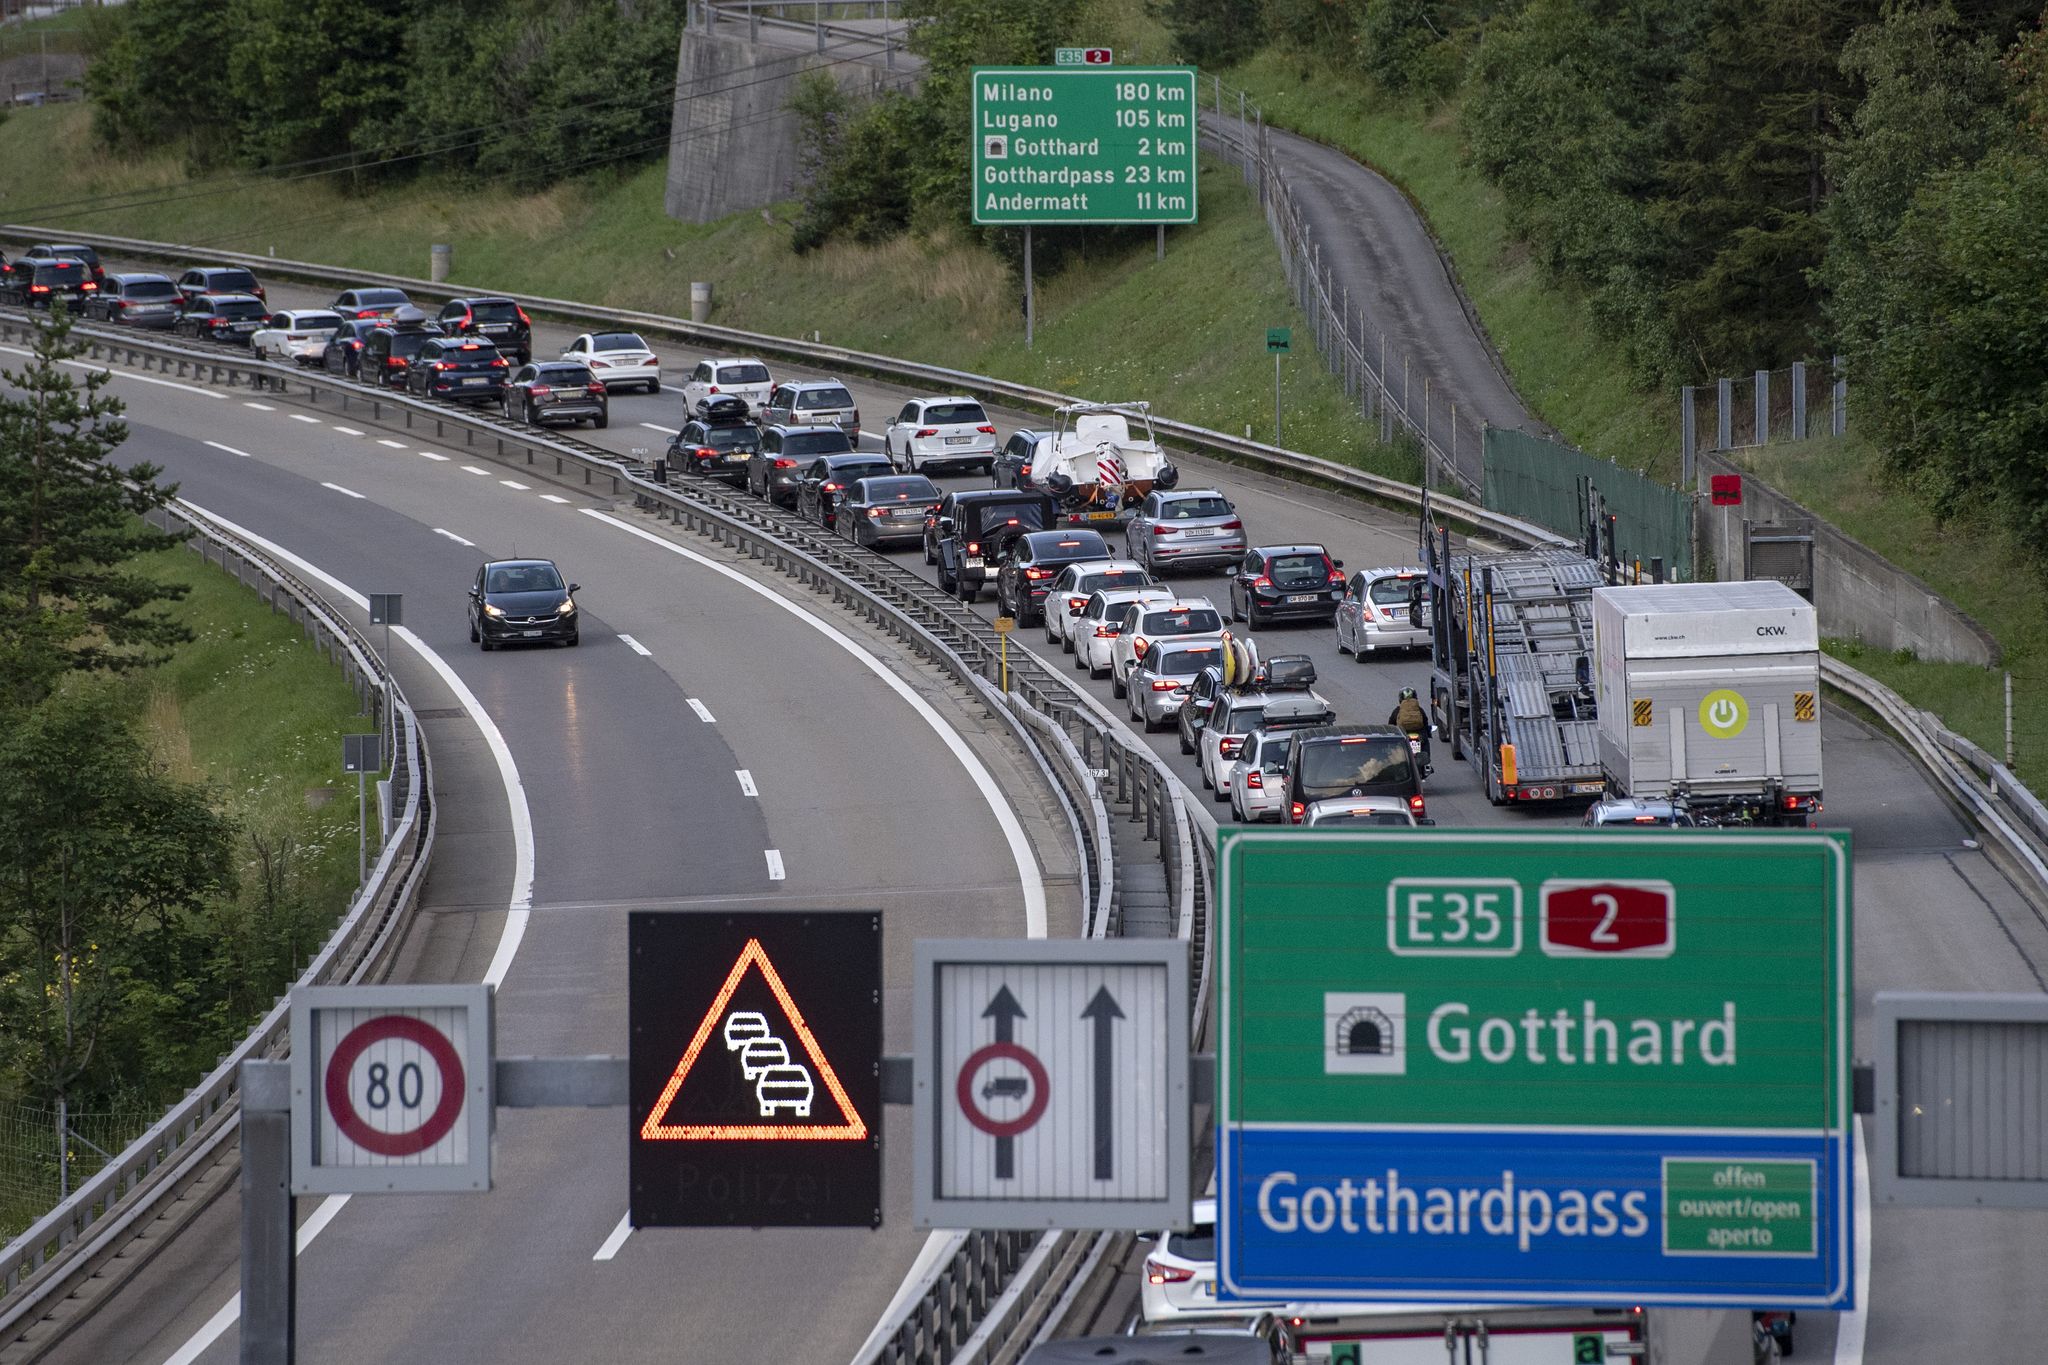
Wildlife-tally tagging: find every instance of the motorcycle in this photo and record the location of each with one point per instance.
(1415, 750)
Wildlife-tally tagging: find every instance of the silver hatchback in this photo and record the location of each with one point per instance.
(1377, 611)
(1158, 684)
(1196, 527)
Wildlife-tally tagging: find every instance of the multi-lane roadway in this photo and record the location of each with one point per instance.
(635, 800)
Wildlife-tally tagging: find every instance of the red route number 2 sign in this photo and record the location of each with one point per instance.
(1609, 918)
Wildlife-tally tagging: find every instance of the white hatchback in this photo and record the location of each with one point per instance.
(1258, 780)
(1095, 629)
(299, 334)
(739, 377)
(1077, 583)
(941, 433)
(1180, 1275)
(617, 360)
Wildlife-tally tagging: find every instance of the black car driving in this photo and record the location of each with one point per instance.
(717, 445)
(218, 279)
(37, 283)
(971, 531)
(1286, 582)
(225, 317)
(776, 472)
(556, 391)
(370, 303)
(887, 511)
(522, 601)
(460, 369)
(825, 478)
(139, 300)
(69, 251)
(390, 349)
(501, 322)
(1028, 569)
(344, 353)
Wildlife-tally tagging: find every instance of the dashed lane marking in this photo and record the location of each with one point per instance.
(347, 492)
(703, 711)
(439, 531)
(229, 449)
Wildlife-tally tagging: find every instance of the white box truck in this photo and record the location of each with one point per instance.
(1709, 695)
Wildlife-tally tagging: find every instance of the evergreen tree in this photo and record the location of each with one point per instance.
(69, 526)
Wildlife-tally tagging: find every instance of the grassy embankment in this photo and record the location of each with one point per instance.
(1576, 380)
(251, 709)
(1188, 333)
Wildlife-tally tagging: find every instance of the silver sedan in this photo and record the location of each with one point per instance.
(1196, 527)
(1158, 684)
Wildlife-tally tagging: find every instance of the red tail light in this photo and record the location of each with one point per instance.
(500, 364)
(1415, 803)
(540, 390)
(1076, 603)
(88, 286)
(714, 388)
(927, 431)
(974, 547)
(527, 321)
(1295, 811)
(1336, 575)
(784, 462)
(438, 366)
(39, 289)
(1105, 632)
(986, 431)
(1158, 1272)
(830, 487)
(705, 453)
(593, 388)
(1160, 528)
(1139, 642)
(1262, 582)
(394, 362)
(1165, 685)
(1233, 525)
(1255, 780)
(258, 291)
(1229, 747)
(1035, 574)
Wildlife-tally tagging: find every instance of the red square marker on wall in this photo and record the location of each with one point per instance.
(1727, 490)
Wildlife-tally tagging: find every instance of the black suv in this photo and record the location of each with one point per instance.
(460, 369)
(1012, 468)
(69, 251)
(1276, 582)
(817, 493)
(225, 317)
(1034, 560)
(1332, 761)
(344, 353)
(554, 390)
(37, 283)
(389, 351)
(718, 445)
(218, 279)
(137, 301)
(777, 471)
(971, 530)
(501, 322)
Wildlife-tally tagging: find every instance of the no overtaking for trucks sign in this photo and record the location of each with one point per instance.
(1086, 144)
(1564, 1068)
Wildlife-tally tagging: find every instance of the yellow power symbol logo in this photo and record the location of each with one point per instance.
(1724, 714)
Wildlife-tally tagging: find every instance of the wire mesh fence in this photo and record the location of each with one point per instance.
(1795, 403)
(1388, 387)
(35, 1170)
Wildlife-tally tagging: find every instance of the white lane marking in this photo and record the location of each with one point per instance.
(430, 455)
(301, 417)
(518, 907)
(225, 1318)
(637, 647)
(618, 1237)
(656, 426)
(395, 445)
(348, 492)
(472, 469)
(346, 431)
(1006, 818)
(229, 449)
(703, 711)
(260, 407)
(123, 374)
(552, 497)
(514, 483)
(1851, 1327)
(440, 531)
(747, 787)
(774, 864)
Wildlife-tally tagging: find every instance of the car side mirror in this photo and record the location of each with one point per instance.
(945, 523)
(1336, 563)
(474, 593)
(575, 587)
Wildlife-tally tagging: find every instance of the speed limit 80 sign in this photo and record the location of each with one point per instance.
(391, 1089)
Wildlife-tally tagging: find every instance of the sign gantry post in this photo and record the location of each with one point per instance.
(1469, 1067)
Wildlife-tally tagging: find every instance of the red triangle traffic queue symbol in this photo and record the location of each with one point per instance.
(784, 1092)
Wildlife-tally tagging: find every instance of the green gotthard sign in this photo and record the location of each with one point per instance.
(1486, 1067)
(1084, 145)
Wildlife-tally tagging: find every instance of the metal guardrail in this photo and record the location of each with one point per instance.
(705, 17)
(1287, 463)
(67, 1245)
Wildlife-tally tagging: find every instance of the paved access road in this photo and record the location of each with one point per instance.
(1931, 912)
(849, 798)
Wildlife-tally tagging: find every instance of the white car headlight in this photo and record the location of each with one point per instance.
(492, 609)
(568, 606)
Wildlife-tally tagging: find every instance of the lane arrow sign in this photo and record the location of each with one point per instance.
(1103, 1012)
(1005, 1010)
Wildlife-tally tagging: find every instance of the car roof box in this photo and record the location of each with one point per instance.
(1285, 672)
(407, 317)
(725, 407)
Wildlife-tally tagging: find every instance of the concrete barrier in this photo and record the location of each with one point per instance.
(1859, 594)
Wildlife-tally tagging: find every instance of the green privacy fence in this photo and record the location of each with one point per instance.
(1546, 482)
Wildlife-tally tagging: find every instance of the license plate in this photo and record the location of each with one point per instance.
(1196, 531)
(958, 440)
(475, 381)
(1102, 516)
(531, 634)
(974, 562)
(1204, 1289)
(1589, 788)
(741, 455)
(1305, 597)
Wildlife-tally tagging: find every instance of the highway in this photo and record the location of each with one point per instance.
(634, 802)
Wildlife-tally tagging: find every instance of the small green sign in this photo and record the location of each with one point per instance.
(1279, 339)
(1740, 1207)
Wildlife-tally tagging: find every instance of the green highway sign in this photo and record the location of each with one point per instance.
(1465, 1066)
(1279, 339)
(1084, 144)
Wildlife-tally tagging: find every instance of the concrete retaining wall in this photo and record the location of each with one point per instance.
(732, 141)
(1859, 593)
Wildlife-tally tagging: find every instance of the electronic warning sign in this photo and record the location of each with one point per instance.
(755, 1069)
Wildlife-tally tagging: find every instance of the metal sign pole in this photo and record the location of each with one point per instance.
(1276, 398)
(1028, 303)
(269, 1222)
(362, 827)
